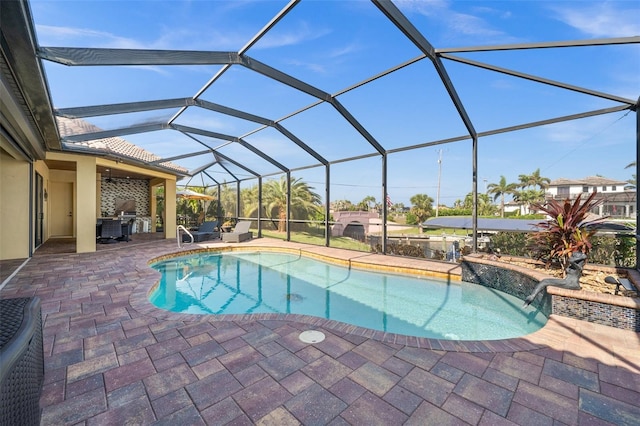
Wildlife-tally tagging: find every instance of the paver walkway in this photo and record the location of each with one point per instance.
(108, 363)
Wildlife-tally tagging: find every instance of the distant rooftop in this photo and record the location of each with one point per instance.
(589, 180)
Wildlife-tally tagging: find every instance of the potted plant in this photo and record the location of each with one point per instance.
(566, 231)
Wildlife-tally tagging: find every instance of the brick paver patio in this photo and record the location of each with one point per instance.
(112, 359)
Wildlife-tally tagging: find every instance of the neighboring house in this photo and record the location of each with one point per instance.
(618, 201)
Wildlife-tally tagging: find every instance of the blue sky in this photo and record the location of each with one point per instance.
(333, 45)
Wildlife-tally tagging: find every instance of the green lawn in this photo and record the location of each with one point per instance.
(318, 240)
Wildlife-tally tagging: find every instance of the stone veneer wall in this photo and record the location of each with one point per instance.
(614, 311)
(130, 189)
(509, 281)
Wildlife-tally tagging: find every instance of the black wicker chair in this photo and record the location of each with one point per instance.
(22, 361)
(111, 231)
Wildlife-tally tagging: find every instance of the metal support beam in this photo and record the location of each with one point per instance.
(84, 56)
(411, 32)
(219, 212)
(259, 206)
(327, 205)
(637, 111)
(539, 79)
(117, 132)
(474, 174)
(544, 45)
(123, 108)
(385, 193)
(287, 224)
(237, 200)
(224, 137)
(310, 90)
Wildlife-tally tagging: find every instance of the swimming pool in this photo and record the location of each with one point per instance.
(268, 282)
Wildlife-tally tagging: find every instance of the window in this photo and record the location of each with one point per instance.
(563, 190)
(585, 189)
(604, 188)
(613, 188)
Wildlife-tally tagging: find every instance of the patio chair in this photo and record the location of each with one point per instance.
(111, 231)
(206, 231)
(127, 230)
(240, 233)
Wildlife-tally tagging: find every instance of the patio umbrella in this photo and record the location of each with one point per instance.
(189, 194)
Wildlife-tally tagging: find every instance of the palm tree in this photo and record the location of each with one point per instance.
(534, 180)
(422, 207)
(343, 205)
(500, 190)
(228, 199)
(540, 181)
(485, 206)
(249, 201)
(367, 203)
(633, 179)
(304, 202)
(527, 197)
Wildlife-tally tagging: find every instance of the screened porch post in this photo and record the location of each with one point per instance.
(237, 200)
(474, 216)
(288, 217)
(259, 206)
(327, 204)
(384, 203)
(637, 172)
(219, 208)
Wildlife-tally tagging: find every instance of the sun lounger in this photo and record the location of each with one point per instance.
(240, 233)
(206, 231)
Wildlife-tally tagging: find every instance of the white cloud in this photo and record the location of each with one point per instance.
(302, 32)
(49, 35)
(460, 24)
(602, 19)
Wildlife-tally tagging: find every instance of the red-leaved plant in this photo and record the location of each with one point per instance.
(566, 231)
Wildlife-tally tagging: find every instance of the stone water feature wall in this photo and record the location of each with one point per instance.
(614, 311)
(506, 280)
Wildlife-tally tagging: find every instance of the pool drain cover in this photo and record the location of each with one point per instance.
(312, 336)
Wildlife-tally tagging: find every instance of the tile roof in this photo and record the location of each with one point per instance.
(114, 145)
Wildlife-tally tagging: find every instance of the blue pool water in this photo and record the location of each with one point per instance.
(266, 282)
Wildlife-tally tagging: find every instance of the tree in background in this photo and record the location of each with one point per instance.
(528, 197)
(304, 202)
(228, 200)
(344, 205)
(397, 208)
(501, 189)
(485, 206)
(367, 204)
(422, 208)
(532, 190)
(534, 180)
(633, 179)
